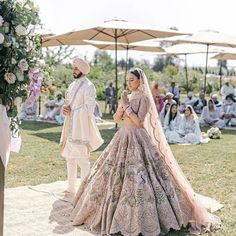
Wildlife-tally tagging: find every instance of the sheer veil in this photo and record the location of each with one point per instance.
(202, 220)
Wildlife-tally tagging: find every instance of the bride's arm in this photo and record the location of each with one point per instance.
(119, 114)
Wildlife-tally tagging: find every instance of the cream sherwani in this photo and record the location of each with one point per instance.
(80, 134)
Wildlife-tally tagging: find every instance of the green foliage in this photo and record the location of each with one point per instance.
(19, 42)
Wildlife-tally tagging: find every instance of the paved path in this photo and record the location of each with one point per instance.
(39, 210)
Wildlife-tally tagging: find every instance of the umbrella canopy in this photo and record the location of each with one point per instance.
(124, 31)
(113, 31)
(225, 56)
(207, 38)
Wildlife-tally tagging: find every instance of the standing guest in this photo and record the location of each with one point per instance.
(211, 116)
(216, 101)
(110, 100)
(226, 89)
(200, 103)
(172, 124)
(136, 186)
(80, 134)
(155, 89)
(175, 91)
(228, 111)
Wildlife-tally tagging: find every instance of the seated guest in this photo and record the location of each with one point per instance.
(190, 100)
(211, 116)
(200, 103)
(169, 98)
(172, 124)
(53, 107)
(163, 113)
(226, 89)
(216, 101)
(190, 129)
(28, 112)
(228, 111)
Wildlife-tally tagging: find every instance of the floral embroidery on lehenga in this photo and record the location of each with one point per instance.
(129, 189)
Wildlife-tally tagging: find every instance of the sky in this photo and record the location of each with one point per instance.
(60, 16)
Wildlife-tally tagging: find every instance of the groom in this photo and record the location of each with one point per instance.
(80, 134)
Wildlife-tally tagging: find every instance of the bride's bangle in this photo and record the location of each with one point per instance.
(125, 107)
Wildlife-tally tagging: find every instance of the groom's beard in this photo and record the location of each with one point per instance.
(77, 76)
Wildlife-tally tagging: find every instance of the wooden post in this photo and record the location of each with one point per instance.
(2, 181)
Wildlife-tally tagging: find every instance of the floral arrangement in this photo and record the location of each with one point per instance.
(214, 133)
(20, 47)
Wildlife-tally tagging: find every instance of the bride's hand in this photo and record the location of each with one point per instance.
(125, 99)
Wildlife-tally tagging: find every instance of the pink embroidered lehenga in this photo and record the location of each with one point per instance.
(132, 189)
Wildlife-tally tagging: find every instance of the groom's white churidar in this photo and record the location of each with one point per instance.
(80, 134)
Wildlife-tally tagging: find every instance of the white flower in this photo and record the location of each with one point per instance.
(23, 64)
(10, 78)
(13, 61)
(1, 20)
(20, 76)
(1, 38)
(21, 30)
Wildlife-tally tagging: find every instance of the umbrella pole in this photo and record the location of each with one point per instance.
(220, 73)
(116, 102)
(2, 180)
(186, 72)
(206, 69)
(126, 65)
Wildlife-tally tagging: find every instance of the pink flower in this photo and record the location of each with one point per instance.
(23, 64)
(10, 78)
(1, 21)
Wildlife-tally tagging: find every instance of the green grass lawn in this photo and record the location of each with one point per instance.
(211, 168)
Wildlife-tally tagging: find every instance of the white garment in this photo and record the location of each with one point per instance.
(226, 90)
(209, 116)
(190, 130)
(81, 126)
(229, 109)
(172, 129)
(72, 164)
(80, 134)
(186, 102)
(5, 135)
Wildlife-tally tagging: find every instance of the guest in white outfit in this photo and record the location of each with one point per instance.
(53, 107)
(211, 116)
(28, 112)
(169, 98)
(218, 103)
(163, 113)
(226, 89)
(228, 111)
(172, 123)
(80, 134)
(190, 129)
(190, 100)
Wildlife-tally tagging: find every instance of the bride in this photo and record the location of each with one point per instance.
(136, 186)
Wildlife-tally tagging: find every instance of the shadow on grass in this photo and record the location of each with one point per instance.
(35, 125)
(51, 136)
(107, 135)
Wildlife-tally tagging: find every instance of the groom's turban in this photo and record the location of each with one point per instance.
(82, 65)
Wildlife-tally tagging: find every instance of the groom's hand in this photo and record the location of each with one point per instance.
(66, 110)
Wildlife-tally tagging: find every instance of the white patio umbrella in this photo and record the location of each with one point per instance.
(186, 49)
(141, 46)
(207, 38)
(113, 31)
